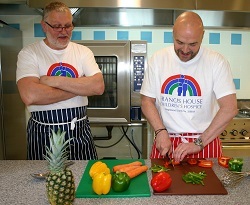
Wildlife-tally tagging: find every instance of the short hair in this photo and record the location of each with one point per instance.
(55, 6)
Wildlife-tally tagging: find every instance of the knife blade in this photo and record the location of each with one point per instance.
(170, 161)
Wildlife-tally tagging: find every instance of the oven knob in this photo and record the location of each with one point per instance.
(243, 132)
(224, 133)
(234, 132)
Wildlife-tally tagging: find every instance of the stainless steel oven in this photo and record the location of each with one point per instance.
(122, 64)
(117, 125)
(236, 137)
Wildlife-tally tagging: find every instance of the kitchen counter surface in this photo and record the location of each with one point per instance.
(18, 187)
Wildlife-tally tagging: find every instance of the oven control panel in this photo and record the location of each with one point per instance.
(138, 68)
(138, 62)
(237, 129)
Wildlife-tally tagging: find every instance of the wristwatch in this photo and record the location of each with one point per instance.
(198, 142)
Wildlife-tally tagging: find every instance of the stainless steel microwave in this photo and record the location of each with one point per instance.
(122, 64)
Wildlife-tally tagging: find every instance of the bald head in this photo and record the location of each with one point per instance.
(188, 33)
(189, 21)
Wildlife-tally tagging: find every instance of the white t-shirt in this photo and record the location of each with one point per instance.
(186, 93)
(75, 61)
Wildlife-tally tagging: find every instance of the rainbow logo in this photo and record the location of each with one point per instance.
(62, 69)
(182, 84)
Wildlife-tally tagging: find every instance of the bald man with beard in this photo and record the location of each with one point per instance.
(188, 94)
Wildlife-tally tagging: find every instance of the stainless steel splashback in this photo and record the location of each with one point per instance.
(87, 17)
(222, 13)
(223, 5)
(243, 104)
(215, 14)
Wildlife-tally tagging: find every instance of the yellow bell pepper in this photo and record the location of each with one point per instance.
(101, 183)
(98, 167)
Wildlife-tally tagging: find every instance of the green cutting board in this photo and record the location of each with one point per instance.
(139, 186)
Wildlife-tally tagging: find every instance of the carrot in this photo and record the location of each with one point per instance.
(119, 166)
(137, 171)
(128, 168)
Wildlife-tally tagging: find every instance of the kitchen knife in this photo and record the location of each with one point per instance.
(170, 161)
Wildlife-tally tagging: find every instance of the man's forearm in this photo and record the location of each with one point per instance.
(221, 119)
(83, 86)
(50, 96)
(33, 92)
(152, 115)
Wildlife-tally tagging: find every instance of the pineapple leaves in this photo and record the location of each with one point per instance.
(56, 154)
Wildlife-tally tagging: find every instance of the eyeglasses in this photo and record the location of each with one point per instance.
(60, 28)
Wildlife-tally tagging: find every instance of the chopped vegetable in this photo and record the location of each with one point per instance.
(205, 163)
(223, 161)
(161, 182)
(120, 166)
(194, 178)
(235, 164)
(174, 162)
(192, 161)
(167, 163)
(120, 181)
(159, 168)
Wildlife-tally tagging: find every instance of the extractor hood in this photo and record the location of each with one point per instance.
(215, 13)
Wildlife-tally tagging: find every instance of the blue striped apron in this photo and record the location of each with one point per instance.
(71, 120)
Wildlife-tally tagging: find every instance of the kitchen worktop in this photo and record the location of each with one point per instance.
(18, 187)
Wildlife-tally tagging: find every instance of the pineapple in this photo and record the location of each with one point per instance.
(60, 184)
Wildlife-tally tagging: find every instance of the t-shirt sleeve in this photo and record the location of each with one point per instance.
(148, 86)
(90, 67)
(26, 65)
(223, 79)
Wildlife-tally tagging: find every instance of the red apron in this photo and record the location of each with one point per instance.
(212, 150)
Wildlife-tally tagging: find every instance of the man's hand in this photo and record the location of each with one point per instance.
(183, 149)
(163, 143)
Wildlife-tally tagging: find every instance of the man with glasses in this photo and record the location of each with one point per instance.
(54, 77)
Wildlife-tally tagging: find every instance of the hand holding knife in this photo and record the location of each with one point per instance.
(170, 161)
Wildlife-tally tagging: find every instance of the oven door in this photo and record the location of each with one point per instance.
(113, 58)
(236, 150)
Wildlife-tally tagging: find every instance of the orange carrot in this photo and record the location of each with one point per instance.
(119, 166)
(128, 168)
(137, 171)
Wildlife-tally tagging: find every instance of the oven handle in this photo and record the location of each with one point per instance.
(107, 120)
(236, 146)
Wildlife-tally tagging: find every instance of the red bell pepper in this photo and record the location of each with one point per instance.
(205, 163)
(161, 181)
(172, 161)
(192, 161)
(223, 161)
(175, 163)
(167, 163)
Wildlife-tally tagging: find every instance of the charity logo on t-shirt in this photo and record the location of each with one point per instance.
(62, 69)
(181, 93)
